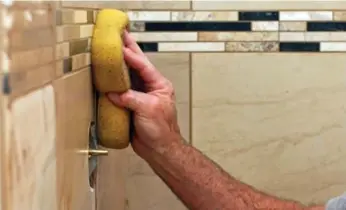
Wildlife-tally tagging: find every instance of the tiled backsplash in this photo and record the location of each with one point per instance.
(243, 31)
(259, 86)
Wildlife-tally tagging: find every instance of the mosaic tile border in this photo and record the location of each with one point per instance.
(239, 31)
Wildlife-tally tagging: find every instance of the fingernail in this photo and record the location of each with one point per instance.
(114, 97)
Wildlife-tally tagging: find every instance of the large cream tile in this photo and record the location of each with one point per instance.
(30, 156)
(176, 68)
(276, 122)
(145, 190)
(74, 113)
(266, 5)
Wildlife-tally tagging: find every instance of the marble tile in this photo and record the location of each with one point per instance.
(265, 5)
(149, 16)
(333, 46)
(276, 123)
(252, 46)
(165, 36)
(339, 15)
(137, 26)
(204, 16)
(265, 26)
(74, 113)
(191, 46)
(238, 36)
(31, 155)
(313, 36)
(305, 16)
(292, 26)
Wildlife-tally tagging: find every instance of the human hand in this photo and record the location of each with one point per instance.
(155, 117)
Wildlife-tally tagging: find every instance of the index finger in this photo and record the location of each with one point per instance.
(152, 78)
(131, 43)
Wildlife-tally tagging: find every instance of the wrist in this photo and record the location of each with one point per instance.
(167, 150)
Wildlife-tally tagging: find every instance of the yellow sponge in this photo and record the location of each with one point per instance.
(110, 74)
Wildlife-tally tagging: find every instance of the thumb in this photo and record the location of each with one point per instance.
(131, 99)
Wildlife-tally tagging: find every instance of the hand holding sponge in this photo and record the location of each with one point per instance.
(110, 74)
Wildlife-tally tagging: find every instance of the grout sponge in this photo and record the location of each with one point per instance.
(110, 74)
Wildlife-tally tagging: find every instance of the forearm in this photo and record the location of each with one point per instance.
(201, 184)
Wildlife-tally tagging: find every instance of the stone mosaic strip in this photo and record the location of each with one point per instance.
(252, 46)
(243, 31)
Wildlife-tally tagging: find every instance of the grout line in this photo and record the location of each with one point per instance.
(190, 100)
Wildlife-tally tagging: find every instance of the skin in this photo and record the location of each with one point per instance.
(199, 182)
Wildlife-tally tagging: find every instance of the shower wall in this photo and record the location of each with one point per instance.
(260, 89)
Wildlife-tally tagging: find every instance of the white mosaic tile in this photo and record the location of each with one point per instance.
(192, 47)
(149, 15)
(300, 16)
(165, 36)
(333, 46)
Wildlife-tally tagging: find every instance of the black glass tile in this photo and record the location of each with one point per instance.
(326, 26)
(299, 47)
(6, 88)
(198, 26)
(265, 15)
(67, 65)
(148, 46)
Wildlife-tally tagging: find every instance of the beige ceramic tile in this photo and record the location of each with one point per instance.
(276, 123)
(165, 36)
(175, 67)
(122, 4)
(24, 81)
(238, 36)
(81, 60)
(292, 26)
(27, 60)
(266, 5)
(31, 19)
(111, 180)
(74, 113)
(137, 26)
(144, 189)
(338, 15)
(69, 32)
(204, 16)
(31, 154)
(252, 46)
(62, 50)
(147, 191)
(31, 39)
(191, 46)
(76, 16)
(313, 36)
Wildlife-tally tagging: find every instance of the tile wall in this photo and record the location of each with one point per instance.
(260, 89)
